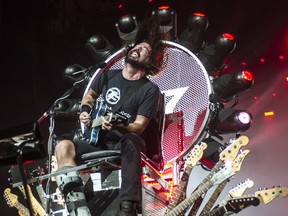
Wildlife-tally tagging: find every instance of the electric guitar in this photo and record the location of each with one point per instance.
(37, 207)
(234, 205)
(235, 192)
(267, 195)
(91, 134)
(12, 201)
(225, 172)
(228, 154)
(194, 156)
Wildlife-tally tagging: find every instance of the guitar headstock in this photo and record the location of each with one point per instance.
(240, 188)
(283, 191)
(236, 164)
(267, 195)
(238, 204)
(224, 173)
(196, 154)
(231, 151)
(10, 198)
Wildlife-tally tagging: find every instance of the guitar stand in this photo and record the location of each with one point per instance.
(23, 175)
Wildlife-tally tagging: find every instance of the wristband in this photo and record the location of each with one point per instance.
(85, 108)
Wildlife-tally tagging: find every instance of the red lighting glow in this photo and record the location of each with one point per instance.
(262, 60)
(247, 75)
(120, 6)
(269, 113)
(244, 63)
(281, 57)
(164, 7)
(199, 14)
(274, 94)
(286, 78)
(228, 36)
(255, 97)
(150, 1)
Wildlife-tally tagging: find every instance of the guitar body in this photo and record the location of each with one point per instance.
(92, 134)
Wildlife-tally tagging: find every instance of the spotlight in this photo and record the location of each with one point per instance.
(127, 27)
(229, 120)
(193, 36)
(228, 85)
(99, 47)
(168, 21)
(68, 109)
(213, 55)
(211, 153)
(73, 73)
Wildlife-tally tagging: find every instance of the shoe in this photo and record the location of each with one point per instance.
(128, 208)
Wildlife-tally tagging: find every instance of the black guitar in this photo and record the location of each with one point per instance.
(234, 206)
(91, 134)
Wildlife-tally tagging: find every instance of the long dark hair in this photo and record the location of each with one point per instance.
(149, 32)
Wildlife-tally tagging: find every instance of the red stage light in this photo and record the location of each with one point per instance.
(247, 75)
(244, 63)
(281, 57)
(164, 7)
(262, 60)
(228, 36)
(199, 14)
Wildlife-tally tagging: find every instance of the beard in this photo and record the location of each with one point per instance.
(136, 64)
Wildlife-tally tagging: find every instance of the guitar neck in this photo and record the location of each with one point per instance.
(215, 169)
(21, 208)
(179, 192)
(198, 202)
(214, 197)
(219, 211)
(179, 209)
(37, 207)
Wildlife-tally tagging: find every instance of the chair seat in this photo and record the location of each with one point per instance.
(103, 154)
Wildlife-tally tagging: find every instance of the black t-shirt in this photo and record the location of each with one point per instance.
(111, 85)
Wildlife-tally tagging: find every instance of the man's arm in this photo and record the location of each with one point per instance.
(87, 103)
(138, 126)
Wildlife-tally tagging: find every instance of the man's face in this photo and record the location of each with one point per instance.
(139, 55)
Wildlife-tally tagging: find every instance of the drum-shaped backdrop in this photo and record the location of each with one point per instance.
(186, 86)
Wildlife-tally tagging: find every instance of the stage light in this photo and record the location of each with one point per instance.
(127, 27)
(68, 109)
(213, 55)
(228, 85)
(269, 113)
(193, 36)
(73, 73)
(99, 47)
(211, 153)
(168, 21)
(229, 120)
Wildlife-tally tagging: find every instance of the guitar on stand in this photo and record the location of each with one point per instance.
(234, 205)
(12, 201)
(179, 194)
(37, 207)
(235, 192)
(267, 195)
(228, 154)
(224, 173)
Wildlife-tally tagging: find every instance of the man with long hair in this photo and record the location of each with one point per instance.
(144, 58)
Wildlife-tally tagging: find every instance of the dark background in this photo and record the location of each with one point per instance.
(39, 38)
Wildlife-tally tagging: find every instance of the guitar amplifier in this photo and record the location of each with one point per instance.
(13, 140)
